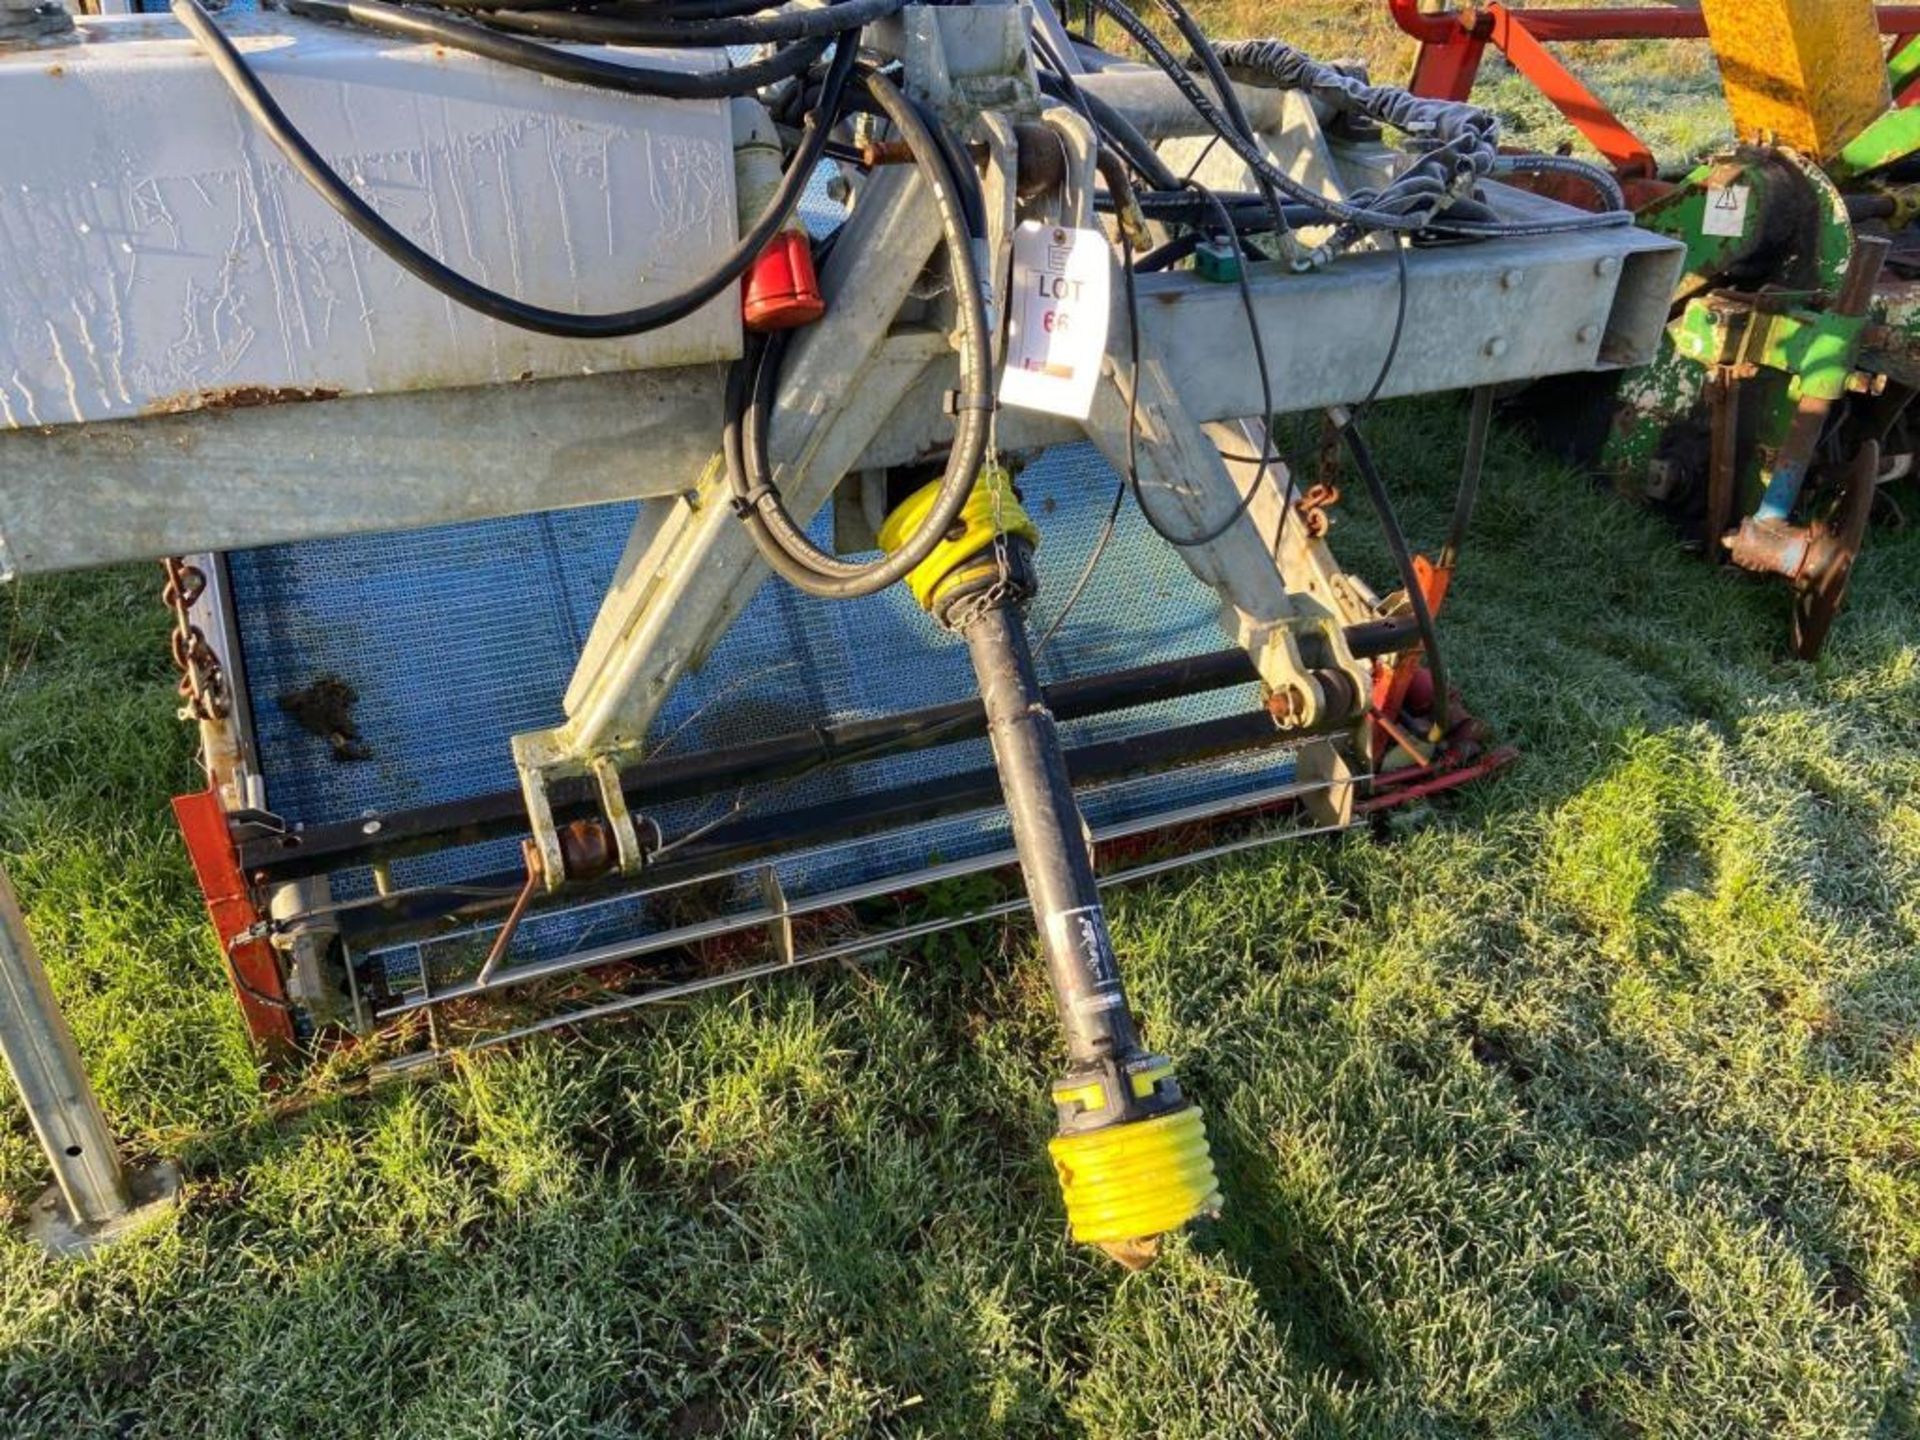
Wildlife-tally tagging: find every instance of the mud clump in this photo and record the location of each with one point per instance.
(325, 709)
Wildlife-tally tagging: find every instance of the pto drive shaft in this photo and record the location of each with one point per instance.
(1131, 1152)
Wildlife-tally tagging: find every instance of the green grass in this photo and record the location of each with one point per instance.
(1585, 1104)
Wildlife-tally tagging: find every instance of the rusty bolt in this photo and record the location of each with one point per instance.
(1288, 707)
(586, 849)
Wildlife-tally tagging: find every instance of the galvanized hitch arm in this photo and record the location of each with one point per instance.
(862, 390)
(95, 1196)
(689, 568)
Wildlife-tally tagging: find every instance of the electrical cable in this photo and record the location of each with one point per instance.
(1345, 422)
(570, 65)
(1399, 329)
(1131, 478)
(753, 382)
(1190, 542)
(258, 103)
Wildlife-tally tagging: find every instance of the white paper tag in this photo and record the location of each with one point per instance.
(1727, 211)
(1056, 319)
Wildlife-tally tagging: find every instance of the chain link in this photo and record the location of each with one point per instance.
(203, 681)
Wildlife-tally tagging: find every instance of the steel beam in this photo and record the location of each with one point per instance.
(226, 479)
(1481, 314)
(1493, 313)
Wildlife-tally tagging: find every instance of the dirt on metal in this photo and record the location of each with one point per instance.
(238, 397)
(325, 708)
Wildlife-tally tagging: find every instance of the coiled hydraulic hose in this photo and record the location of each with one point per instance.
(753, 383)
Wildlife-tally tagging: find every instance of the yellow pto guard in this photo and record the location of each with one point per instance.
(1807, 74)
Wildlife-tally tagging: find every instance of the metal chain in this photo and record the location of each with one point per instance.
(203, 681)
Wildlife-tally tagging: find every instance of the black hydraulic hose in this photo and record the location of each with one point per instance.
(1119, 131)
(752, 386)
(1396, 537)
(417, 24)
(1203, 54)
(1165, 257)
(1602, 182)
(627, 27)
(1479, 427)
(410, 257)
(960, 171)
(1245, 502)
(1202, 50)
(1251, 214)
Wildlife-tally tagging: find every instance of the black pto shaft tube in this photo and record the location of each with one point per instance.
(1131, 1153)
(1050, 838)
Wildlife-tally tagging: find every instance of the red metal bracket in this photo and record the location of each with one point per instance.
(1421, 783)
(1453, 42)
(1585, 111)
(251, 964)
(1391, 682)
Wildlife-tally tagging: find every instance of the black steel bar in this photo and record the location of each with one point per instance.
(322, 849)
(740, 842)
(1051, 841)
(660, 781)
(1479, 428)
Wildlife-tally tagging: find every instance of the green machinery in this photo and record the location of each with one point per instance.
(1777, 409)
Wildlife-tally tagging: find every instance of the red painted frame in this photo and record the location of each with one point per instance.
(1453, 44)
(251, 965)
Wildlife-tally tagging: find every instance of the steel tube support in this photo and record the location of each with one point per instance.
(95, 1189)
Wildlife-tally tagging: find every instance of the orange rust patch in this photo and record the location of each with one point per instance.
(237, 397)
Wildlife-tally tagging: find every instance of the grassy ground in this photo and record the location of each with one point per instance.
(1587, 1104)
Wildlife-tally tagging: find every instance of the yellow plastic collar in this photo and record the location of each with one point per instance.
(1135, 1181)
(992, 509)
